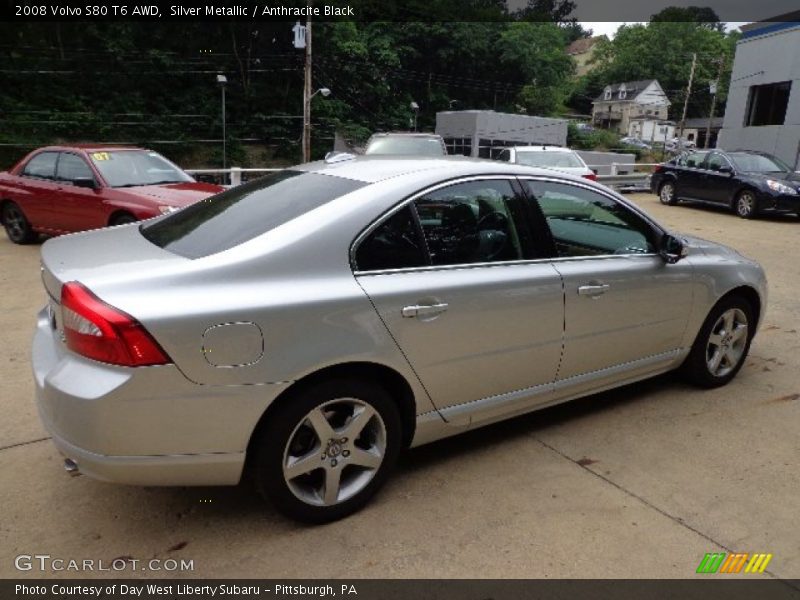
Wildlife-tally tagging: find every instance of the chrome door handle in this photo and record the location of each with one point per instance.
(423, 310)
(593, 290)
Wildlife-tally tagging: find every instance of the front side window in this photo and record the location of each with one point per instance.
(470, 222)
(72, 167)
(716, 162)
(244, 212)
(130, 168)
(42, 166)
(694, 159)
(585, 223)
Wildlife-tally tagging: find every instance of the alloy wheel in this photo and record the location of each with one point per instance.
(15, 222)
(334, 452)
(727, 342)
(745, 205)
(667, 193)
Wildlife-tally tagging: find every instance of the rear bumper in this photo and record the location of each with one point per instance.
(146, 425)
(186, 469)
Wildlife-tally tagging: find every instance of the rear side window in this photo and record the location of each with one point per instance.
(42, 165)
(395, 244)
(242, 213)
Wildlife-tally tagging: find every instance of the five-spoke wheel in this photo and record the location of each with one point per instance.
(327, 448)
(722, 344)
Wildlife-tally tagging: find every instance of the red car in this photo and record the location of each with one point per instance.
(61, 189)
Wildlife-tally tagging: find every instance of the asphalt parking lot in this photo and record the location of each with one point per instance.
(638, 482)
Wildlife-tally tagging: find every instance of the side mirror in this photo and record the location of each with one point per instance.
(84, 182)
(726, 169)
(672, 249)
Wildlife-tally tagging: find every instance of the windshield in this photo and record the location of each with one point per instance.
(244, 212)
(406, 146)
(549, 159)
(128, 168)
(758, 163)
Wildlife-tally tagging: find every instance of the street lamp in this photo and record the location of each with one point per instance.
(415, 107)
(307, 120)
(223, 81)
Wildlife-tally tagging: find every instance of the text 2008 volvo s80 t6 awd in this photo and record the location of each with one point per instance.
(313, 323)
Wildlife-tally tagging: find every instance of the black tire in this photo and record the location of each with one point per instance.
(123, 219)
(666, 193)
(697, 368)
(18, 228)
(289, 425)
(746, 204)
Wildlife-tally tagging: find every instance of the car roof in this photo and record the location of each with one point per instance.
(90, 147)
(405, 134)
(543, 148)
(375, 168)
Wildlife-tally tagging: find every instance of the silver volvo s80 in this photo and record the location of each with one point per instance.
(311, 324)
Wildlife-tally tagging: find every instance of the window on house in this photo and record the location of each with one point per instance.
(608, 94)
(767, 104)
(622, 93)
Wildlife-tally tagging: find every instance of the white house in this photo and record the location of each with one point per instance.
(619, 103)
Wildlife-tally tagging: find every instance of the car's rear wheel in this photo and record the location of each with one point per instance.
(746, 204)
(327, 449)
(123, 219)
(666, 193)
(18, 228)
(722, 343)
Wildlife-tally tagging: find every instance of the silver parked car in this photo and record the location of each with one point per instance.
(311, 324)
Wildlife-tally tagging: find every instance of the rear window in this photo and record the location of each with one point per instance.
(549, 158)
(242, 213)
(406, 146)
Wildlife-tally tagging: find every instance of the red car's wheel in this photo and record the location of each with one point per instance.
(18, 228)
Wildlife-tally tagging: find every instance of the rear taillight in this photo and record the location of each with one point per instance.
(101, 332)
(591, 176)
(658, 168)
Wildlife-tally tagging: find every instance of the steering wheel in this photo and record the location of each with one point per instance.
(494, 220)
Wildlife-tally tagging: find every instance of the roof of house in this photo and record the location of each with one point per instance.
(583, 45)
(633, 88)
(702, 123)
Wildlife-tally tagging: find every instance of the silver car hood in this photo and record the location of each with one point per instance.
(710, 248)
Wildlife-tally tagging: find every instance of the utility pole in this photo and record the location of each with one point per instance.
(714, 86)
(307, 96)
(686, 100)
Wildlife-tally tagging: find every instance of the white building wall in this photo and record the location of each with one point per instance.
(769, 58)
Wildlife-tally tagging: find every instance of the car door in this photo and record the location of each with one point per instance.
(79, 208)
(454, 275)
(718, 183)
(690, 174)
(38, 189)
(625, 308)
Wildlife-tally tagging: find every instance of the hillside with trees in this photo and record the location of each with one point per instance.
(155, 84)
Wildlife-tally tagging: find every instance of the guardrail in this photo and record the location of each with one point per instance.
(623, 175)
(234, 174)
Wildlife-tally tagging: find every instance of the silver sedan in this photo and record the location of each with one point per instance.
(308, 326)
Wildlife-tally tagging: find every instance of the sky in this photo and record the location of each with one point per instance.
(610, 28)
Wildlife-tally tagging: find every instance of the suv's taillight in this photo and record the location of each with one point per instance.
(101, 332)
(591, 176)
(658, 168)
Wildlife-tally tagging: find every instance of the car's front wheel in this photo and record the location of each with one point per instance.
(746, 204)
(666, 193)
(327, 449)
(18, 228)
(722, 343)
